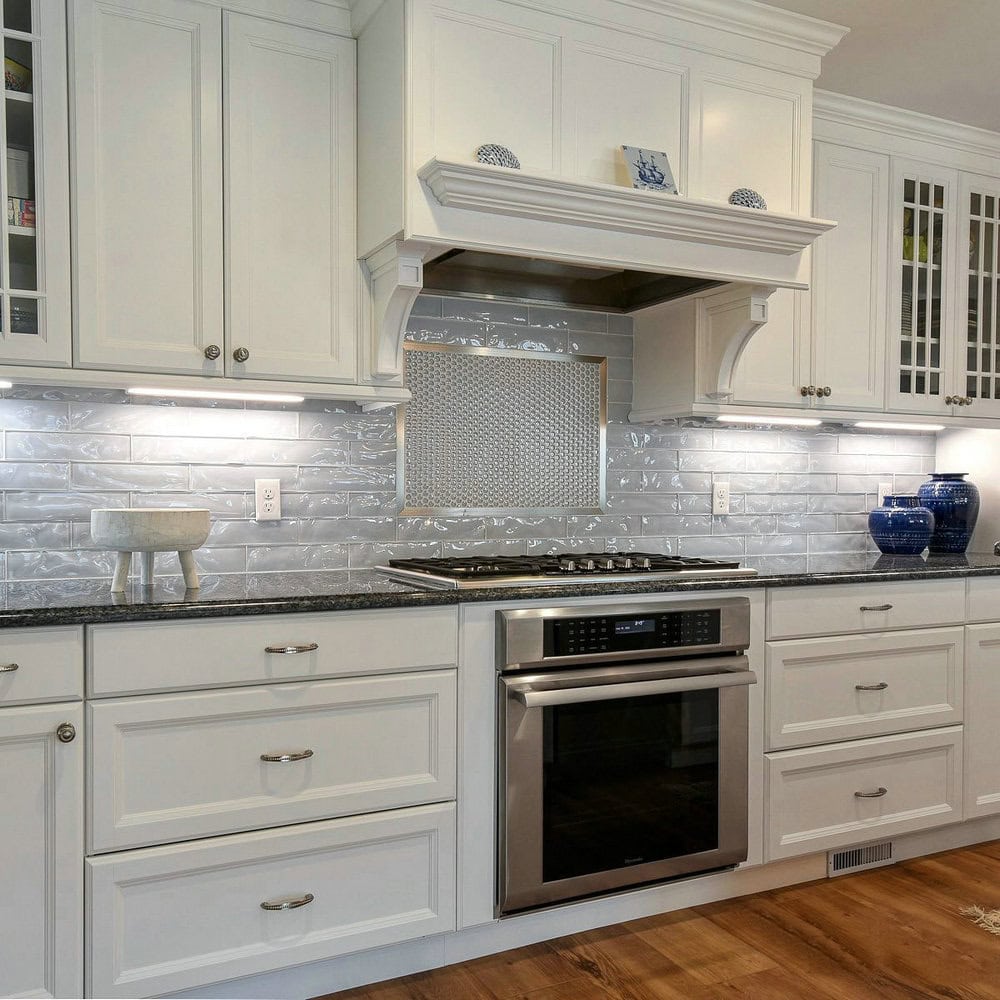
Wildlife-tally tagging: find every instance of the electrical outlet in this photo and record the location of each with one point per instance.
(267, 493)
(720, 497)
(884, 490)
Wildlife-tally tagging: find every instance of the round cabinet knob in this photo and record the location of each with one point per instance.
(968, 401)
(808, 390)
(66, 733)
(825, 391)
(241, 354)
(950, 400)
(213, 352)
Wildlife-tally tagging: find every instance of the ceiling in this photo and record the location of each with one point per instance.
(934, 56)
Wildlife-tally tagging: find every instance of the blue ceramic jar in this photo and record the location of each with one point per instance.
(901, 526)
(955, 506)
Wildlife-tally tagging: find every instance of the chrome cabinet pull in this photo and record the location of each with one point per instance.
(9, 668)
(881, 686)
(875, 607)
(872, 795)
(309, 647)
(284, 758)
(66, 733)
(292, 903)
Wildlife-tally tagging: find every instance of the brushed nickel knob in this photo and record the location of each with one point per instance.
(808, 390)
(825, 391)
(213, 352)
(968, 401)
(66, 733)
(949, 400)
(241, 354)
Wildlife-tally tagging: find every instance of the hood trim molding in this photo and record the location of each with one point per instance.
(548, 198)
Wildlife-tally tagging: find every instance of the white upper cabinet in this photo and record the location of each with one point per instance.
(35, 327)
(179, 109)
(850, 278)
(291, 271)
(147, 159)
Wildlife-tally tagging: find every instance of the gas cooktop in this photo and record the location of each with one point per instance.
(561, 568)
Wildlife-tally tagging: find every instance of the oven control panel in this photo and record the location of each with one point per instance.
(624, 633)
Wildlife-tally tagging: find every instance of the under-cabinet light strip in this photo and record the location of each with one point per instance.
(887, 425)
(251, 397)
(783, 421)
(6, 385)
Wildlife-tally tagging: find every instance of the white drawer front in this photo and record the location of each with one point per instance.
(173, 918)
(850, 687)
(794, 612)
(185, 655)
(172, 767)
(984, 599)
(40, 664)
(811, 800)
(982, 721)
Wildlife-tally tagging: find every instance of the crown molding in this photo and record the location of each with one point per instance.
(548, 198)
(842, 109)
(752, 20)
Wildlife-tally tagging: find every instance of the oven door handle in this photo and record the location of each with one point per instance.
(532, 697)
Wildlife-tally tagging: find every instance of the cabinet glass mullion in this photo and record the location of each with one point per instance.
(982, 376)
(21, 279)
(921, 269)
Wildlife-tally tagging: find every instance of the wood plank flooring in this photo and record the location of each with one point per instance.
(894, 932)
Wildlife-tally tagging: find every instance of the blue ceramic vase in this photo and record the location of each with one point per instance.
(955, 505)
(901, 526)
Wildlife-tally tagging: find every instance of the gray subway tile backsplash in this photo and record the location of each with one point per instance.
(793, 493)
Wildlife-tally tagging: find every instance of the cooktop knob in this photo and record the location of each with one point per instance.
(606, 563)
(625, 562)
(643, 562)
(567, 565)
(585, 564)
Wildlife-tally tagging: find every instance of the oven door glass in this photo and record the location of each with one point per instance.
(629, 782)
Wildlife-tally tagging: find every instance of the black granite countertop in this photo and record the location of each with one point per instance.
(75, 602)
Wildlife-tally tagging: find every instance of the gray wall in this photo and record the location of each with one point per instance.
(794, 494)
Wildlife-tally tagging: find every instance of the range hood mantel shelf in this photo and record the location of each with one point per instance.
(548, 198)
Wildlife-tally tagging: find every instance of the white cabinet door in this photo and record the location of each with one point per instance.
(922, 316)
(850, 276)
(977, 350)
(982, 735)
(41, 830)
(292, 276)
(35, 272)
(147, 157)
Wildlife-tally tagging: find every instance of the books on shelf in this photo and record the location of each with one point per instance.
(21, 212)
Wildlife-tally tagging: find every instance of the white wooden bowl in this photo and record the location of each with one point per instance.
(150, 530)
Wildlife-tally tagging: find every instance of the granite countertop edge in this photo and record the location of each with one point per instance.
(395, 596)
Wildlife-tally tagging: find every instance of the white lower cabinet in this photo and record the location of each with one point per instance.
(826, 797)
(177, 917)
(175, 767)
(848, 687)
(41, 833)
(982, 692)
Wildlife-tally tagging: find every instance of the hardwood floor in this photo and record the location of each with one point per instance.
(895, 932)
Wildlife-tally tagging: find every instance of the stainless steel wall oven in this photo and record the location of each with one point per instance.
(622, 746)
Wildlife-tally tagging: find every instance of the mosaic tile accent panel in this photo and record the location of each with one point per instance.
(794, 494)
(547, 453)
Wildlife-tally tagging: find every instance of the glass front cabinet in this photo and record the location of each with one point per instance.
(35, 315)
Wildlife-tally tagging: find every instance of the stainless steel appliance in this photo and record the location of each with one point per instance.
(622, 746)
(558, 569)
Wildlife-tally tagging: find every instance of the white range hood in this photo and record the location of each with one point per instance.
(734, 106)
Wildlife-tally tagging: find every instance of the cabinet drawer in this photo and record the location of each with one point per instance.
(172, 656)
(914, 681)
(40, 664)
(173, 918)
(984, 599)
(172, 767)
(812, 803)
(863, 607)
